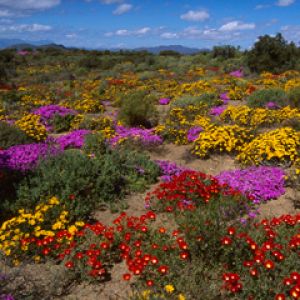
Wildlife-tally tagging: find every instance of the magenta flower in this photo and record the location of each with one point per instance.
(237, 73)
(164, 101)
(145, 136)
(74, 139)
(261, 183)
(26, 157)
(272, 105)
(224, 97)
(217, 110)
(193, 133)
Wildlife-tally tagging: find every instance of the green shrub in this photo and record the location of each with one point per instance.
(95, 144)
(138, 109)
(209, 99)
(61, 123)
(294, 97)
(225, 51)
(11, 136)
(262, 97)
(8, 180)
(273, 54)
(103, 178)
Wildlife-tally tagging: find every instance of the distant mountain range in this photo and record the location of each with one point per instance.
(17, 43)
(177, 48)
(22, 44)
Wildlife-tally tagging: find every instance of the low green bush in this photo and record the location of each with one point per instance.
(260, 98)
(138, 109)
(83, 181)
(294, 97)
(209, 99)
(61, 123)
(11, 136)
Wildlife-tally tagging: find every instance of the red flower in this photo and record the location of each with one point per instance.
(226, 241)
(269, 264)
(253, 272)
(150, 282)
(184, 255)
(231, 230)
(280, 297)
(154, 260)
(72, 197)
(163, 269)
(126, 276)
(69, 264)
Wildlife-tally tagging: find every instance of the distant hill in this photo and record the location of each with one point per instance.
(157, 49)
(23, 44)
(177, 48)
(18, 43)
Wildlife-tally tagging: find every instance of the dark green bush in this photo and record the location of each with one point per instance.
(103, 178)
(61, 123)
(262, 97)
(225, 51)
(8, 180)
(294, 97)
(138, 109)
(273, 54)
(11, 136)
(95, 144)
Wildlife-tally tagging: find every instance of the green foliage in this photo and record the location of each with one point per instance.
(104, 178)
(138, 109)
(294, 97)
(273, 54)
(11, 136)
(225, 51)
(260, 98)
(61, 123)
(8, 180)
(169, 53)
(209, 99)
(7, 64)
(95, 144)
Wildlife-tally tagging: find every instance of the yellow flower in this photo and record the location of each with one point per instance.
(146, 294)
(79, 223)
(72, 229)
(7, 252)
(31, 222)
(169, 288)
(181, 297)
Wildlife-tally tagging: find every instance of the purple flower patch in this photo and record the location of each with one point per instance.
(193, 133)
(261, 183)
(145, 136)
(74, 139)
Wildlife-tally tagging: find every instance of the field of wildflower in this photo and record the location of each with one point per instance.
(148, 184)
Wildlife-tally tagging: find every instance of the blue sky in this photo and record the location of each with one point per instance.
(133, 23)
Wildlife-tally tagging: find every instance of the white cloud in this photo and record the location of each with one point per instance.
(285, 2)
(169, 35)
(71, 36)
(195, 15)
(29, 4)
(143, 30)
(122, 32)
(236, 25)
(122, 9)
(125, 32)
(25, 28)
(262, 6)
